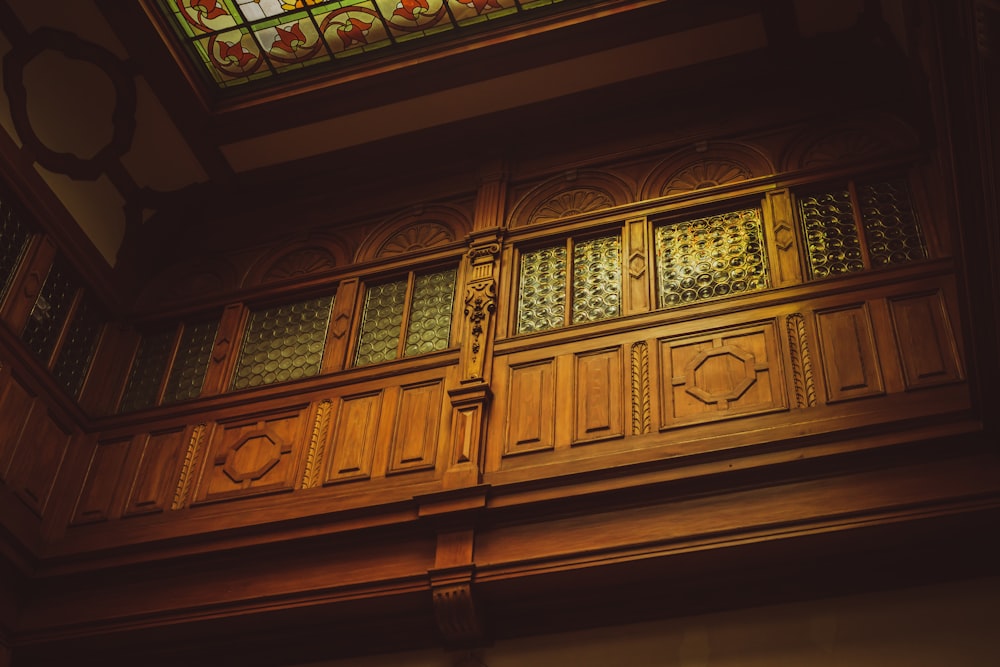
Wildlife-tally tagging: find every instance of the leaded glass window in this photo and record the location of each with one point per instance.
(78, 346)
(191, 362)
(420, 304)
(709, 258)
(52, 305)
(586, 274)
(284, 343)
(148, 371)
(14, 236)
(863, 225)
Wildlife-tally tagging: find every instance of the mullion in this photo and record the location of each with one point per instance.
(404, 322)
(568, 298)
(859, 224)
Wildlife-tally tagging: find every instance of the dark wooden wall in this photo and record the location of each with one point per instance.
(509, 482)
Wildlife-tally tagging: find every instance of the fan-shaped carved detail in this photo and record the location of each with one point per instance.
(416, 237)
(706, 174)
(570, 194)
(300, 262)
(706, 165)
(572, 202)
(843, 146)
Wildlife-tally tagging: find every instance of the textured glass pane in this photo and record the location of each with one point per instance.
(430, 313)
(191, 363)
(49, 312)
(831, 236)
(284, 343)
(891, 228)
(710, 258)
(541, 293)
(380, 323)
(14, 237)
(597, 279)
(147, 371)
(78, 348)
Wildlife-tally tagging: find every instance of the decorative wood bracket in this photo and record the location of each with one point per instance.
(479, 305)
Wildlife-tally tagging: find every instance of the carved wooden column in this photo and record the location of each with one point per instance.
(470, 398)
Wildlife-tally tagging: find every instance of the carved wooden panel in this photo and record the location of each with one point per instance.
(14, 400)
(600, 411)
(848, 354)
(531, 407)
(252, 456)
(354, 437)
(97, 495)
(159, 468)
(927, 347)
(418, 417)
(37, 459)
(636, 263)
(783, 240)
(721, 374)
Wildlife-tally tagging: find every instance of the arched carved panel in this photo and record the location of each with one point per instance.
(301, 258)
(848, 141)
(568, 195)
(706, 166)
(415, 231)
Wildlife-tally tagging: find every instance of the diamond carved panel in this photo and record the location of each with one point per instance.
(252, 456)
(719, 375)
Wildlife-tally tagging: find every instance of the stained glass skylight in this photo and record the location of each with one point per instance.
(238, 41)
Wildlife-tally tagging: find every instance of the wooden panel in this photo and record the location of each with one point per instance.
(783, 240)
(251, 456)
(927, 347)
(848, 354)
(531, 407)
(721, 374)
(103, 475)
(354, 437)
(37, 459)
(157, 473)
(15, 405)
(600, 412)
(415, 438)
(637, 280)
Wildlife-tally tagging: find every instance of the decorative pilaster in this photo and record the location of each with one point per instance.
(187, 470)
(479, 305)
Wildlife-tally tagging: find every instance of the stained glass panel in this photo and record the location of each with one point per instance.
(430, 313)
(831, 235)
(148, 370)
(49, 312)
(542, 290)
(710, 258)
(597, 279)
(77, 349)
(238, 41)
(381, 323)
(14, 237)
(353, 27)
(284, 343)
(891, 229)
(191, 363)
(293, 41)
